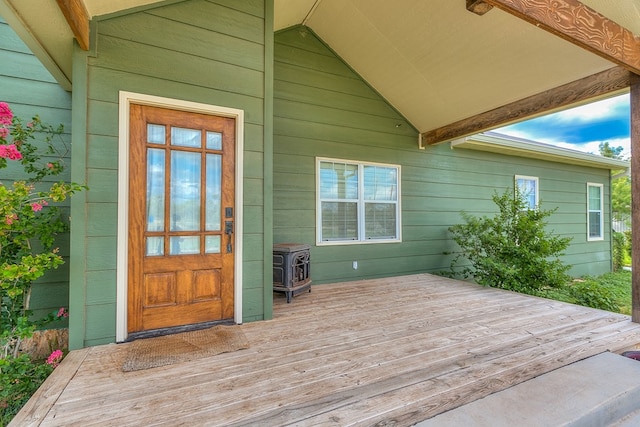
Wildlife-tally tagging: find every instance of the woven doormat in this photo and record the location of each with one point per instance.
(183, 347)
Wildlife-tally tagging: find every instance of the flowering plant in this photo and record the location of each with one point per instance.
(30, 220)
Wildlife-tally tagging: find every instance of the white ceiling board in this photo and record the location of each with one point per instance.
(291, 12)
(432, 59)
(43, 28)
(104, 7)
(438, 63)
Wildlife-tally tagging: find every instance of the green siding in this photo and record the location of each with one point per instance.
(323, 109)
(29, 89)
(211, 52)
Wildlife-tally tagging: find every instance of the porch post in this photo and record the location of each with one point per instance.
(634, 100)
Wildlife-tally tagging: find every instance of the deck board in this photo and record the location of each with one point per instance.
(384, 351)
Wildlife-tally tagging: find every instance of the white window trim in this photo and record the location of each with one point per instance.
(530, 178)
(125, 101)
(360, 164)
(601, 237)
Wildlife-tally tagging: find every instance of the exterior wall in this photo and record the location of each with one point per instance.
(30, 90)
(323, 109)
(211, 52)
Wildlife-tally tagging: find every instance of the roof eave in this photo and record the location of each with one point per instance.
(536, 150)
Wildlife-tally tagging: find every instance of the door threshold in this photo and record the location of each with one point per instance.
(152, 333)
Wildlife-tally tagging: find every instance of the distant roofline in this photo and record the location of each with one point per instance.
(512, 146)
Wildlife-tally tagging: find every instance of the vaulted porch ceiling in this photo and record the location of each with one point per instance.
(438, 63)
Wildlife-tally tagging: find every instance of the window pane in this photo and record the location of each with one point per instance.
(213, 192)
(185, 191)
(527, 191)
(338, 181)
(380, 221)
(594, 198)
(155, 134)
(212, 244)
(594, 224)
(339, 221)
(214, 141)
(155, 189)
(184, 245)
(185, 137)
(380, 183)
(155, 246)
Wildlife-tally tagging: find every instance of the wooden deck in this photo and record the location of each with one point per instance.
(389, 351)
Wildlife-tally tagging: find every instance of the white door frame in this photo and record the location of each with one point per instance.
(126, 99)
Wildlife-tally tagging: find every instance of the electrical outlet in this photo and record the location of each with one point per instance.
(355, 265)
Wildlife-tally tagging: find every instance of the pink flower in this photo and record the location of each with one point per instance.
(50, 165)
(6, 115)
(10, 218)
(30, 124)
(4, 132)
(36, 206)
(63, 312)
(55, 358)
(10, 152)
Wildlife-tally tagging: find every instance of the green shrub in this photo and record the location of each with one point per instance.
(619, 248)
(511, 250)
(20, 377)
(590, 293)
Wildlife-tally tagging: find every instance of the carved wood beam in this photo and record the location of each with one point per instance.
(600, 84)
(78, 19)
(581, 25)
(479, 7)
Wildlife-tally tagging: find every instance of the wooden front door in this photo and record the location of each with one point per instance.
(181, 218)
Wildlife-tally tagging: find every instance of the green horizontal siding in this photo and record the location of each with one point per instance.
(323, 109)
(30, 90)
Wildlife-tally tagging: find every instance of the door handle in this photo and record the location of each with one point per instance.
(228, 230)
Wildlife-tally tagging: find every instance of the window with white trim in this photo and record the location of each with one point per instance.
(595, 209)
(527, 188)
(357, 202)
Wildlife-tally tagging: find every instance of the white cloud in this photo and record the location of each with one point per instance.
(593, 147)
(605, 109)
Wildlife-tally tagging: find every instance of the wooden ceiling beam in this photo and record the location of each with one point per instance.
(594, 86)
(579, 24)
(77, 17)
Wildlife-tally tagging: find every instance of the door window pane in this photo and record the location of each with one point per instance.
(155, 189)
(155, 246)
(214, 140)
(213, 192)
(212, 244)
(185, 191)
(155, 134)
(185, 137)
(184, 245)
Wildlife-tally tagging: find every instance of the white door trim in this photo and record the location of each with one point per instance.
(126, 99)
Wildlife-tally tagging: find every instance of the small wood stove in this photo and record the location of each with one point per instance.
(291, 269)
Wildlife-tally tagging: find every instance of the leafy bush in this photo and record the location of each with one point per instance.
(511, 250)
(619, 249)
(591, 293)
(29, 224)
(20, 377)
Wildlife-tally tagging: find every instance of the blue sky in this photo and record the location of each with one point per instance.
(582, 128)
